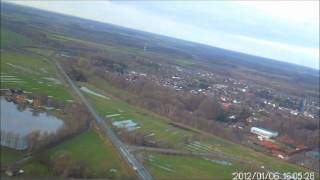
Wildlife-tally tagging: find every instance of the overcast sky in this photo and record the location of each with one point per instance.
(283, 30)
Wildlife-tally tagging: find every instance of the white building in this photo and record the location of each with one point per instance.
(263, 132)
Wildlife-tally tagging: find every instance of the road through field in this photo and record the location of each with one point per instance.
(126, 154)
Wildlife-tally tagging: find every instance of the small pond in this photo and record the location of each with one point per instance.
(17, 123)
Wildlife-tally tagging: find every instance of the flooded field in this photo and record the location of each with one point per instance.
(86, 90)
(17, 123)
(129, 125)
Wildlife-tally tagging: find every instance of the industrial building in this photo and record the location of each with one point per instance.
(263, 132)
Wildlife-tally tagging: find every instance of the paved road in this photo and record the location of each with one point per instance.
(136, 165)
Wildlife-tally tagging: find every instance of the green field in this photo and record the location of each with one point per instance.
(102, 47)
(99, 155)
(10, 38)
(34, 168)
(31, 73)
(184, 62)
(31, 168)
(9, 156)
(40, 51)
(181, 167)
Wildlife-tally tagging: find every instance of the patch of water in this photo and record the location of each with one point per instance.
(18, 123)
(129, 125)
(222, 162)
(85, 89)
(112, 115)
(54, 80)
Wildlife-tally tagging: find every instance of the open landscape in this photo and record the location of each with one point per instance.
(85, 99)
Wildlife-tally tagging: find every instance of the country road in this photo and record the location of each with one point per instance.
(126, 154)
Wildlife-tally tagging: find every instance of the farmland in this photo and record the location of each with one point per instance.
(10, 38)
(9, 155)
(97, 153)
(31, 73)
(180, 167)
(89, 148)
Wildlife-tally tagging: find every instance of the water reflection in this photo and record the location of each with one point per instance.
(18, 121)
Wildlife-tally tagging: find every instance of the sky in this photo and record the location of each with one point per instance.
(282, 30)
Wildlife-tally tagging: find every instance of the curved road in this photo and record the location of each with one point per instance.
(136, 165)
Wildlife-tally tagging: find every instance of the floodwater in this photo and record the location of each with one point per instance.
(17, 123)
(129, 125)
(85, 89)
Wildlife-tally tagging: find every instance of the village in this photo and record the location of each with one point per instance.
(261, 103)
(233, 92)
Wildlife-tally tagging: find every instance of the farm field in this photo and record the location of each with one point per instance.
(31, 73)
(32, 168)
(99, 155)
(88, 148)
(181, 167)
(9, 156)
(9, 38)
(24, 69)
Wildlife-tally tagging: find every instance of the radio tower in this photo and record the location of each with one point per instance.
(145, 47)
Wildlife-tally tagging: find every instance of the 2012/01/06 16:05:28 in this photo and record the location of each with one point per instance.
(273, 175)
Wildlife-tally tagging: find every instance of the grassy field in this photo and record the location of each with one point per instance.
(99, 155)
(31, 73)
(160, 128)
(89, 147)
(102, 47)
(10, 38)
(43, 52)
(181, 167)
(28, 71)
(9, 156)
(31, 168)
(184, 62)
(34, 168)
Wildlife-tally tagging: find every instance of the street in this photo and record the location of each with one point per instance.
(136, 165)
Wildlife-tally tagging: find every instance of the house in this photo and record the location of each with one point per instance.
(287, 141)
(226, 106)
(268, 145)
(280, 154)
(263, 132)
(21, 99)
